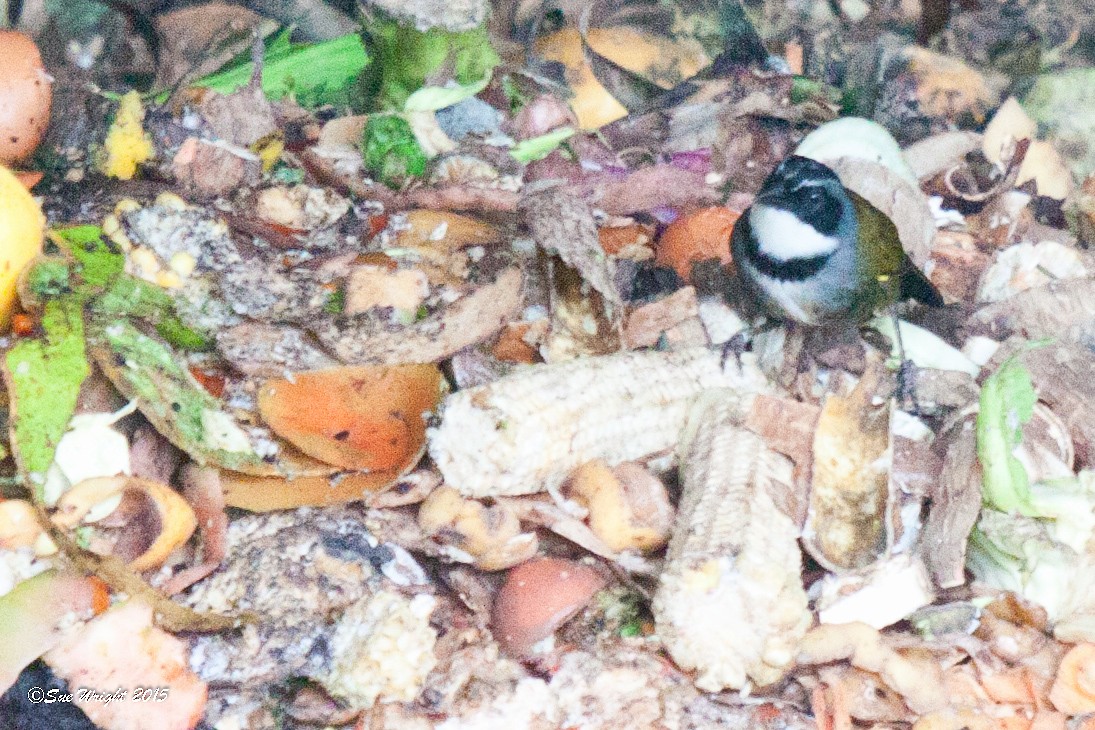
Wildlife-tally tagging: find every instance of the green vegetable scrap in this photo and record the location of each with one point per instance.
(43, 378)
(336, 302)
(1007, 404)
(1040, 559)
(392, 154)
(1033, 539)
(48, 279)
(315, 74)
(99, 276)
(130, 296)
(98, 260)
(408, 59)
(145, 369)
(537, 148)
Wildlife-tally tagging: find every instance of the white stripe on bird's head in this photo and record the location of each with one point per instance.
(780, 235)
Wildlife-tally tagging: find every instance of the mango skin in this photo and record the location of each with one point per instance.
(22, 229)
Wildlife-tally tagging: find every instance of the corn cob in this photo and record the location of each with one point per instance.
(526, 432)
(730, 602)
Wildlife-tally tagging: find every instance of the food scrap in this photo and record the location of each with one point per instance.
(542, 365)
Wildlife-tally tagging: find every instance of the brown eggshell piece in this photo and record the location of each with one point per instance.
(26, 91)
(537, 598)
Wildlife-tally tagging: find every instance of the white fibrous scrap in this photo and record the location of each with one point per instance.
(1029, 265)
(730, 602)
(382, 649)
(528, 431)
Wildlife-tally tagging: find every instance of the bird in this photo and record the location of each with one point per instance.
(811, 251)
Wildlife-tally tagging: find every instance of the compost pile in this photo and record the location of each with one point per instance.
(385, 366)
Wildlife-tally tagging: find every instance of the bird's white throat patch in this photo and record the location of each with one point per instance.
(782, 236)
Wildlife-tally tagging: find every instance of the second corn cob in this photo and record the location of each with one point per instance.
(528, 431)
(730, 602)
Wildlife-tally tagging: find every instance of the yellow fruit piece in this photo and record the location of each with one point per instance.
(663, 61)
(22, 227)
(127, 144)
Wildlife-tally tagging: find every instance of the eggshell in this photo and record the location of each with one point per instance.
(859, 138)
(26, 91)
(537, 598)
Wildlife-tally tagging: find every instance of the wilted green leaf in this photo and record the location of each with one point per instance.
(1007, 404)
(98, 261)
(133, 297)
(43, 378)
(315, 73)
(537, 148)
(144, 368)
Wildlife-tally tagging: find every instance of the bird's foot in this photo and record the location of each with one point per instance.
(736, 346)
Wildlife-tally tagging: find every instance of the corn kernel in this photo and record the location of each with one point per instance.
(126, 205)
(112, 229)
(171, 201)
(168, 280)
(111, 224)
(182, 264)
(145, 264)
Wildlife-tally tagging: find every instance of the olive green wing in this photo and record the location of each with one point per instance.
(886, 260)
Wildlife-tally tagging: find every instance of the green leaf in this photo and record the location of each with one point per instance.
(315, 74)
(432, 98)
(133, 297)
(1006, 405)
(49, 278)
(537, 148)
(407, 57)
(43, 378)
(98, 260)
(147, 370)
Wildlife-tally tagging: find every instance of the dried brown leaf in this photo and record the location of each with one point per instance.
(582, 321)
(212, 168)
(957, 265)
(271, 350)
(788, 426)
(660, 185)
(1064, 310)
(469, 320)
(1064, 376)
(562, 224)
(647, 324)
(201, 486)
(956, 503)
(899, 199)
